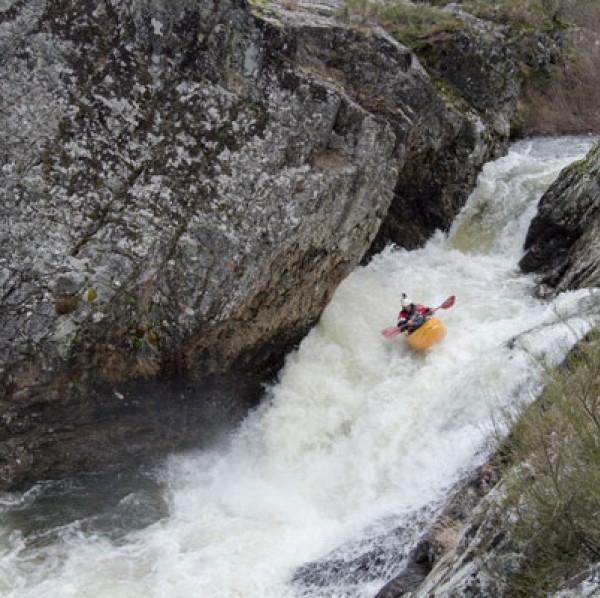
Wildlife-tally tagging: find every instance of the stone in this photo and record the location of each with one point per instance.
(184, 185)
(563, 241)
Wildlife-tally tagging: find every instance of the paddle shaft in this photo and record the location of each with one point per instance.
(446, 304)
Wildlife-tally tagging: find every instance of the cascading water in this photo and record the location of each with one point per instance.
(351, 451)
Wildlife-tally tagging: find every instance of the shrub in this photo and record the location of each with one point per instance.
(584, 13)
(558, 438)
(563, 96)
(408, 22)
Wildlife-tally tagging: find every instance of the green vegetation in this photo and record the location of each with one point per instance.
(557, 494)
(427, 18)
(365, 9)
(583, 13)
(559, 67)
(580, 167)
(535, 13)
(415, 25)
(152, 337)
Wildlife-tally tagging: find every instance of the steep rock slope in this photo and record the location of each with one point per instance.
(563, 240)
(184, 184)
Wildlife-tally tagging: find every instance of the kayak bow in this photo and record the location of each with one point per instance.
(430, 333)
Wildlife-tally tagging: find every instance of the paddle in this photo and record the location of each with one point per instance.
(394, 330)
(448, 303)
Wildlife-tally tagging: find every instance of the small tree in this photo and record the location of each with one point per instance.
(559, 502)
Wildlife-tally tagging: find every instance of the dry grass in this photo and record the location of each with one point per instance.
(567, 98)
(583, 13)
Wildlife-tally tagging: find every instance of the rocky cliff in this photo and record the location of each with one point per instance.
(563, 241)
(184, 184)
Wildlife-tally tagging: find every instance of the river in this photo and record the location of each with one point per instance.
(350, 452)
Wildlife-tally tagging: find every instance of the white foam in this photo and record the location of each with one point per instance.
(358, 430)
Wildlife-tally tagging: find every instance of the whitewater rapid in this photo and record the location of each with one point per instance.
(359, 437)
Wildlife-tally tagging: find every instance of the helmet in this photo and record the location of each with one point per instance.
(405, 300)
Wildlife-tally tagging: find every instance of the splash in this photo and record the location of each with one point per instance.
(359, 440)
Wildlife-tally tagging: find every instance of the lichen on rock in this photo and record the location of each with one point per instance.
(183, 187)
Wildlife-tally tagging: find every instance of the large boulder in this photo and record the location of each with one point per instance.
(184, 184)
(563, 240)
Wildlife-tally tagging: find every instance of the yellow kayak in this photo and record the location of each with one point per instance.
(432, 332)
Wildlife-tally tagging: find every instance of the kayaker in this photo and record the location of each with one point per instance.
(412, 315)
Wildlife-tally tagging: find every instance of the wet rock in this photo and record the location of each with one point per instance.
(368, 559)
(406, 555)
(442, 537)
(563, 240)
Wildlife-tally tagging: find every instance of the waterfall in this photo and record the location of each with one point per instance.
(353, 448)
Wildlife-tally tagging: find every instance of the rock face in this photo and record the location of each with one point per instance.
(184, 184)
(427, 567)
(408, 554)
(476, 77)
(563, 241)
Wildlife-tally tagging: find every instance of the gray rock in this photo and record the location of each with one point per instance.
(563, 240)
(184, 184)
(584, 585)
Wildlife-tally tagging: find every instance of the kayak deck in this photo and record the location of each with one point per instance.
(430, 333)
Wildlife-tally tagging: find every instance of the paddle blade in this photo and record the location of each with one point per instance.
(448, 303)
(391, 331)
